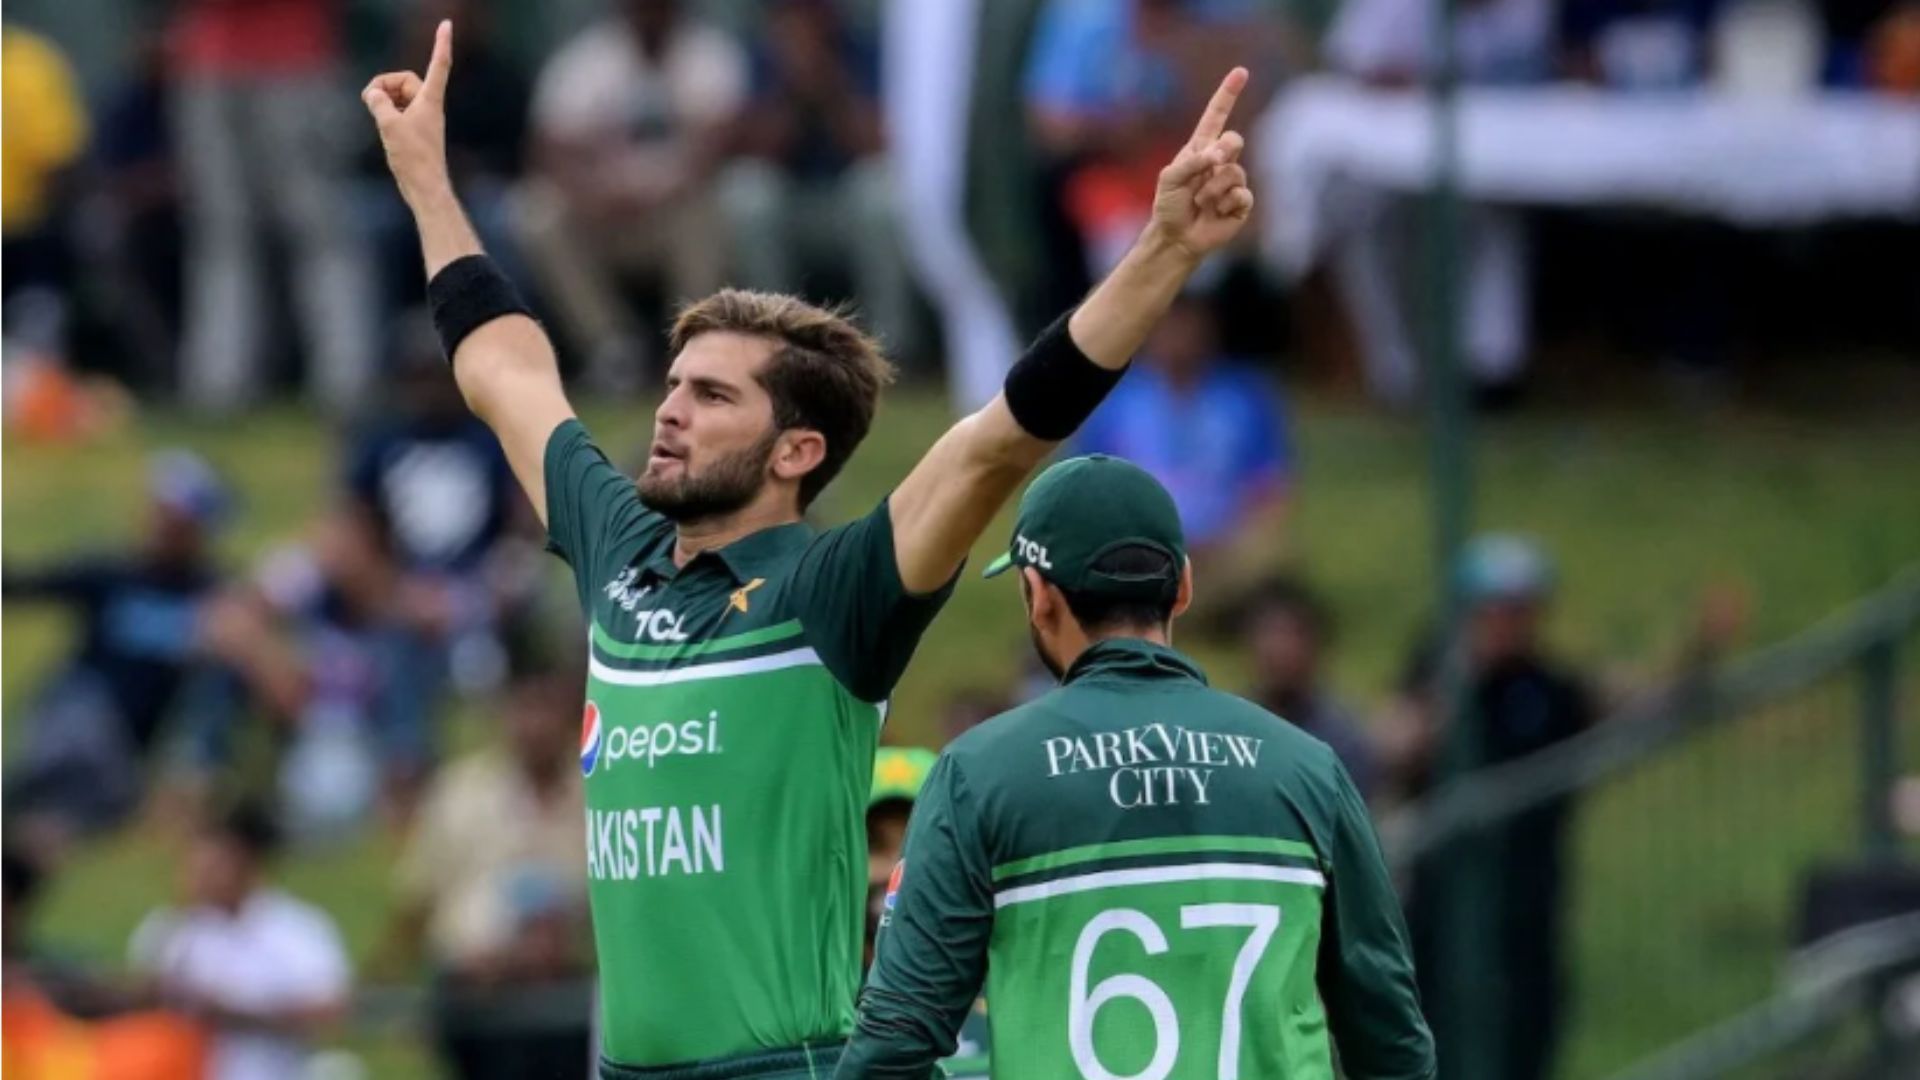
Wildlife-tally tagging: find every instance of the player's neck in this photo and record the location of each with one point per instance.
(1158, 635)
(1079, 644)
(694, 537)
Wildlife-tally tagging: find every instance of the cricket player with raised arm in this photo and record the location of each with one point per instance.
(1153, 878)
(741, 662)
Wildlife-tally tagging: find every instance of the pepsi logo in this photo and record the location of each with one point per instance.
(589, 739)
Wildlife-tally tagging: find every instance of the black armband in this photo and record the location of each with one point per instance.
(469, 293)
(1053, 387)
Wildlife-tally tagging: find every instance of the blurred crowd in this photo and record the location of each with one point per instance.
(212, 224)
(206, 219)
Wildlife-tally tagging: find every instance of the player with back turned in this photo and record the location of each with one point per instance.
(740, 661)
(1153, 878)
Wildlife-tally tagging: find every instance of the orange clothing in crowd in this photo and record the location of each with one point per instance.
(39, 1042)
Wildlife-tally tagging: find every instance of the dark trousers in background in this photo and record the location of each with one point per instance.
(526, 1056)
(1527, 897)
(514, 1032)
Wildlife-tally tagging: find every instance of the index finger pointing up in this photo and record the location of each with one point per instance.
(435, 86)
(1214, 121)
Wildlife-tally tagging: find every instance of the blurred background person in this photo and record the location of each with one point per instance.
(1390, 44)
(261, 968)
(45, 133)
(898, 774)
(90, 730)
(809, 196)
(630, 121)
(360, 735)
(428, 479)
(1287, 629)
(323, 642)
(266, 139)
(1212, 429)
(132, 240)
(492, 884)
(1520, 700)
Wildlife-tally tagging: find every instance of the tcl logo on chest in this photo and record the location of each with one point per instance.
(647, 743)
(652, 624)
(661, 625)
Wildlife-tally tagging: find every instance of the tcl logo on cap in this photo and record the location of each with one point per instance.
(1035, 554)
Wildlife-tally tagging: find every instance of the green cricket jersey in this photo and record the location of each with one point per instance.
(1156, 880)
(733, 706)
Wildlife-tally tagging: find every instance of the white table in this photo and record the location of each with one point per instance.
(1327, 149)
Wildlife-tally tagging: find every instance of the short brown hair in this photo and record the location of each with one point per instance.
(825, 374)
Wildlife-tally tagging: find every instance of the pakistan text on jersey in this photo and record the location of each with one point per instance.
(1153, 764)
(654, 841)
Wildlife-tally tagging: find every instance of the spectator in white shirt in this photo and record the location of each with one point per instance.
(265, 971)
(630, 121)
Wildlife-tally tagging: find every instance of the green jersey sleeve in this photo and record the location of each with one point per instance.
(858, 614)
(1366, 960)
(594, 512)
(931, 955)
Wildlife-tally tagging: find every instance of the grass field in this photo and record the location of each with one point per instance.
(1686, 868)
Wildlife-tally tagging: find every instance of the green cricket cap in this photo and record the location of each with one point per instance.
(899, 772)
(1083, 508)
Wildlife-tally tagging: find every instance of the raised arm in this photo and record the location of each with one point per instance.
(506, 367)
(950, 497)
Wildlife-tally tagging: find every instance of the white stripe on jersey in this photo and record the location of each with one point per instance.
(1156, 875)
(696, 672)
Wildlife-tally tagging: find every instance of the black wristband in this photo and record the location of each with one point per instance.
(1053, 387)
(469, 293)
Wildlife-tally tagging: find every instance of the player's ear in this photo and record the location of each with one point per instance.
(1039, 596)
(1184, 598)
(797, 452)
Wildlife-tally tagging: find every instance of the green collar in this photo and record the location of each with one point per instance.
(1133, 658)
(760, 554)
(755, 555)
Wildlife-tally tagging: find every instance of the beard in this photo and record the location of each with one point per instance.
(722, 488)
